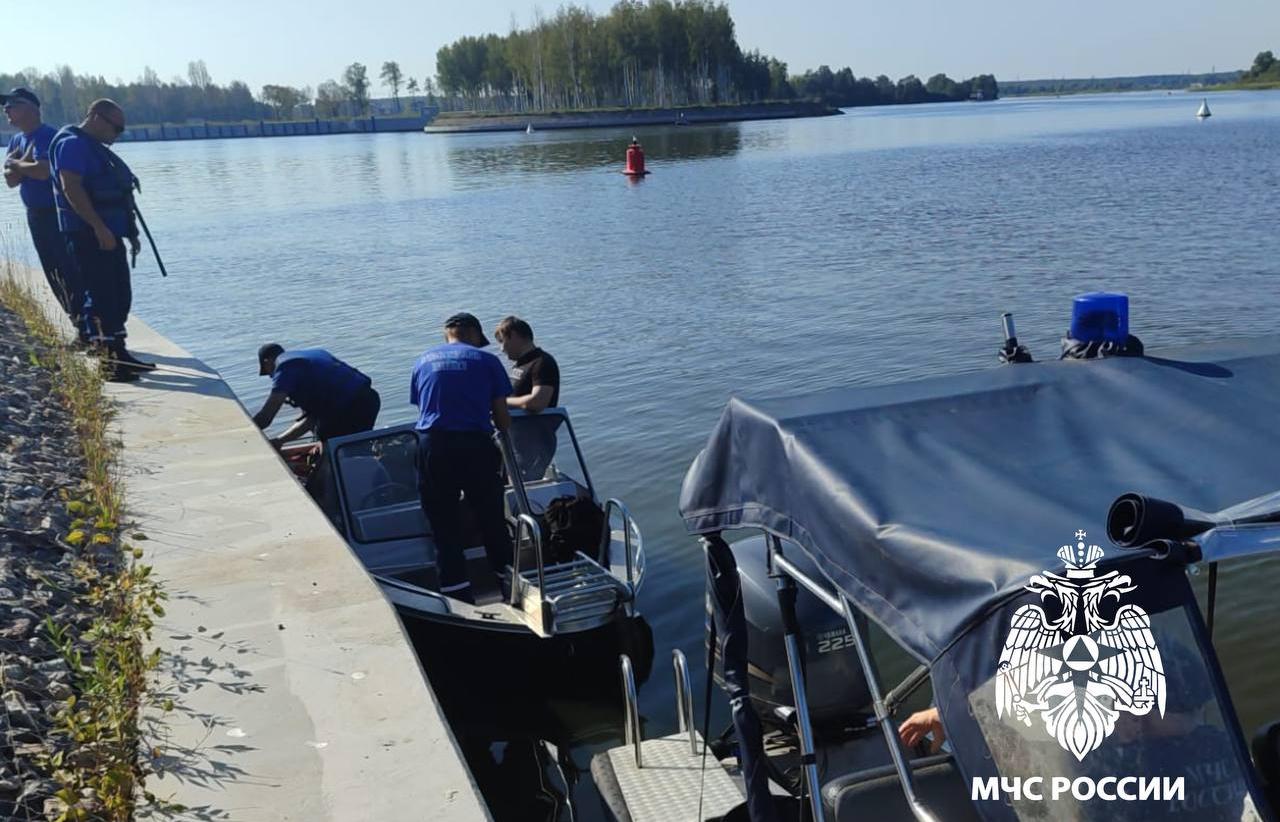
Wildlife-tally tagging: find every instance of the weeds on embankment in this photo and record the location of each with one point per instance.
(95, 758)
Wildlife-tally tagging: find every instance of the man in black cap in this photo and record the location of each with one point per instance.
(26, 167)
(336, 399)
(93, 189)
(461, 394)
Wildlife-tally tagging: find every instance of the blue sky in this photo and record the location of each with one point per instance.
(303, 43)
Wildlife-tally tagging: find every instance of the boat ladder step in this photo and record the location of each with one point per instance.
(573, 596)
(667, 787)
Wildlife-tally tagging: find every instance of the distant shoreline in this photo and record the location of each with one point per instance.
(1244, 87)
(1193, 91)
(472, 122)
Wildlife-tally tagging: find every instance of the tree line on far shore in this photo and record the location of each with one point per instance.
(655, 53)
(1264, 71)
(65, 95)
(642, 53)
(841, 88)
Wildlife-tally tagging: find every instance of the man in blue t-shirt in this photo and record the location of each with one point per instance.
(336, 399)
(461, 394)
(93, 190)
(26, 168)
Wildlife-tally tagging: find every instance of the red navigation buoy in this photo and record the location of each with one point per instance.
(635, 160)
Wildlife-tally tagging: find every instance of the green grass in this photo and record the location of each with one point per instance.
(96, 759)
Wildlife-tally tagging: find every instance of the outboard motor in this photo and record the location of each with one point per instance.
(837, 691)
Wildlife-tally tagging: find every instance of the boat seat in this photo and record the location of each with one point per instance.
(401, 521)
(876, 793)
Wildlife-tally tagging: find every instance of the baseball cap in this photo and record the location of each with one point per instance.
(464, 320)
(20, 94)
(265, 353)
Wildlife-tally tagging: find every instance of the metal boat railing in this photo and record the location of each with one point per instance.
(631, 708)
(524, 522)
(634, 554)
(841, 605)
(684, 698)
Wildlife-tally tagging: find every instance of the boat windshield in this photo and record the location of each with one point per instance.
(1088, 706)
(546, 449)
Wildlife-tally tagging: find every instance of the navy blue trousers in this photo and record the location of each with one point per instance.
(452, 464)
(51, 248)
(108, 290)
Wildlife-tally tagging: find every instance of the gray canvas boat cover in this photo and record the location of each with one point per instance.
(929, 502)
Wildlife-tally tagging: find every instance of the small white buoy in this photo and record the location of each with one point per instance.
(528, 129)
(1204, 109)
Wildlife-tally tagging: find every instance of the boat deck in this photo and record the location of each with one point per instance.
(668, 786)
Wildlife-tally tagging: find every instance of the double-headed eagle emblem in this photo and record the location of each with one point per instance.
(1077, 671)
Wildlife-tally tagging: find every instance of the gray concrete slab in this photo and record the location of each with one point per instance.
(298, 695)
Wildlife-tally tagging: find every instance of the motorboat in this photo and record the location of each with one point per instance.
(368, 485)
(936, 547)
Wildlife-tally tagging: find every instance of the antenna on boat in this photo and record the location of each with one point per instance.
(1012, 351)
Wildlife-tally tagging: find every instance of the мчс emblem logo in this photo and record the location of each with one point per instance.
(1072, 668)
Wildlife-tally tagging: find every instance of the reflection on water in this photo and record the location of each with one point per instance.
(529, 715)
(560, 151)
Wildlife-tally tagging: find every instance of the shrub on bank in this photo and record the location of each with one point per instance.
(94, 752)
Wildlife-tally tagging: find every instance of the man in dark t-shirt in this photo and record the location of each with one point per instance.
(535, 377)
(336, 399)
(535, 385)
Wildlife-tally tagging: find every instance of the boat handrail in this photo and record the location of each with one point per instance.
(513, 472)
(526, 522)
(627, 523)
(684, 698)
(631, 708)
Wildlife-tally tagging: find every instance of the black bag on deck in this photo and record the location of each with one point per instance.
(571, 524)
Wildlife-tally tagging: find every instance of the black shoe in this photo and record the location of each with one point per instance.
(123, 356)
(118, 372)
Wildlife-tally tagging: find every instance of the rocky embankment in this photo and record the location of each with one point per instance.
(39, 460)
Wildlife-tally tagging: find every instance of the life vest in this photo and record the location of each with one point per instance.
(110, 192)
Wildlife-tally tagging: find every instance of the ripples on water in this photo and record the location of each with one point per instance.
(760, 258)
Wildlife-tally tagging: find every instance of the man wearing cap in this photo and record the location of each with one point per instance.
(93, 190)
(336, 399)
(26, 167)
(461, 394)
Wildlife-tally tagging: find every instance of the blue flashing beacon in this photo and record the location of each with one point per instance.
(1100, 316)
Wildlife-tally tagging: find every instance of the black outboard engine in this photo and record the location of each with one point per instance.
(836, 688)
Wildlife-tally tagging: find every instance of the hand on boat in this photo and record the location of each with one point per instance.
(919, 726)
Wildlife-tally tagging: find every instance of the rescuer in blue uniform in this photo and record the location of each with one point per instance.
(336, 399)
(93, 190)
(26, 167)
(461, 393)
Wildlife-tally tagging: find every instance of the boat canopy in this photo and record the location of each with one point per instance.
(929, 502)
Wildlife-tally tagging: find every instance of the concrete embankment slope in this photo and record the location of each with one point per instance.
(298, 697)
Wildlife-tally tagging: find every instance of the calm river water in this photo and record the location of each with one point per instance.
(767, 258)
